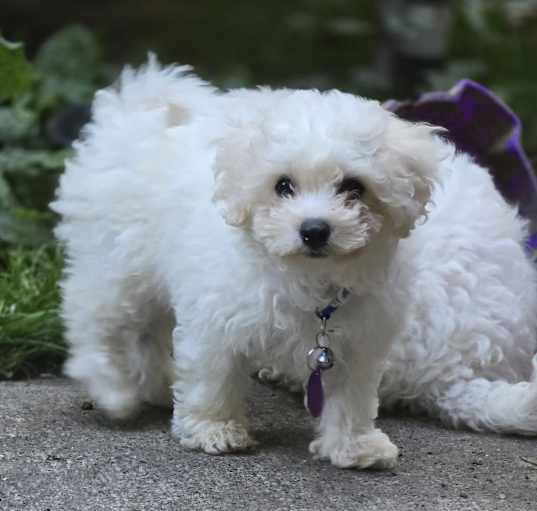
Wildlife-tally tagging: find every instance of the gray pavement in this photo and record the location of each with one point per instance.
(55, 455)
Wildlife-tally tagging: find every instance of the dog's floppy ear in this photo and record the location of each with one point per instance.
(409, 159)
(232, 164)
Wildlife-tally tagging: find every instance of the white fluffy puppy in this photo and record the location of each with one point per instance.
(216, 224)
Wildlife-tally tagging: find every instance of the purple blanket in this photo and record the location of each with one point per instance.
(481, 124)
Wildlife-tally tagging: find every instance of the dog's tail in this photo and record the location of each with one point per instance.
(173, 95)
(498, 405)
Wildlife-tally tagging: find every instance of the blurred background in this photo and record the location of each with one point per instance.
(375, 47)
(383, 49)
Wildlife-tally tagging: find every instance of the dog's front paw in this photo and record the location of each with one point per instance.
(215, 437)
(369, 450)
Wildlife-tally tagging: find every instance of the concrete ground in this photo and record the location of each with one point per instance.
(56, 454)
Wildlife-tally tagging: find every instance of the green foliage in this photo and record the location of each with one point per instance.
(30, 325)
(15, 70)
(66, 71)
(69, 67)
(18, 123)
(24, 227)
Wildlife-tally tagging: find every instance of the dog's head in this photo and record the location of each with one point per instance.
(314, 174)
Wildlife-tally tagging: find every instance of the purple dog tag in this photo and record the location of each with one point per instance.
(315, 397)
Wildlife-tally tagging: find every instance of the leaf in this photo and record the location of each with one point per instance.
(31, 161)
(69, 66)
(29, 176)
(7, 199)
(71, 52)
(23, 227)
(17, 123)
(15, 71)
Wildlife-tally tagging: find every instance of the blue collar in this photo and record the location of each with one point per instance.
(326, 313)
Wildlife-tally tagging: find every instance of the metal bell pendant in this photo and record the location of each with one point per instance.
(320, 357)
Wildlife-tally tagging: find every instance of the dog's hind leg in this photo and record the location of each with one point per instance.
(105, 324)
(156, 351)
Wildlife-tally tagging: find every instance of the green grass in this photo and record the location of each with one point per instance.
(30, 325)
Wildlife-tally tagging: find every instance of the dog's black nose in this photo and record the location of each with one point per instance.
(315, 233)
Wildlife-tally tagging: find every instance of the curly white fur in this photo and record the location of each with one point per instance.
(152, 264)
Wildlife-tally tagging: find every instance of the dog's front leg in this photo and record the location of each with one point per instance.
(347, 435)
(209, 395)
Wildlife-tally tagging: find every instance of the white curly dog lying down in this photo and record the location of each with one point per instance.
(215, 224)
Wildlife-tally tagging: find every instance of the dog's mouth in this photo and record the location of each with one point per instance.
(316, 254)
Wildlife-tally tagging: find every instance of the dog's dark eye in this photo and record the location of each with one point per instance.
(352, 187)
(285, 187)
